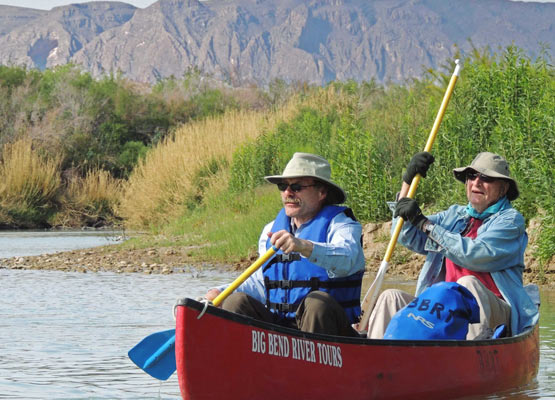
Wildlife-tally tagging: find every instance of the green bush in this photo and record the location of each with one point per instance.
(131, 152)
(90, 120)
(12, 77)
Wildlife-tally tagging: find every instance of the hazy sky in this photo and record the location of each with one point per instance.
(48, 4)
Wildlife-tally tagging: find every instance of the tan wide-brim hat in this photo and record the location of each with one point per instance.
(306, 165)
(492, 165)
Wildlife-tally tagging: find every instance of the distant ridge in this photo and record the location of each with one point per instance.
(256, 41)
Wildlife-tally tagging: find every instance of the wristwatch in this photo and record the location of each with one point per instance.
(428, 227)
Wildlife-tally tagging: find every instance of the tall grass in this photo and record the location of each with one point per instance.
(173, 176)
(227, 225)
(29, 184)
(32, 193)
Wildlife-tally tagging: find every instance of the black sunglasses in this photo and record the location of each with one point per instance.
(470, 176)
(295, 187)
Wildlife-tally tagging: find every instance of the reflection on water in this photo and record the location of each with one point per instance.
(543, 387)
(66, 335)
(546, 375)
(34, 243)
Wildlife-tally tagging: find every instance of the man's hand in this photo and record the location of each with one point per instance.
(409, 210)
(288, 243)
(212, 294)
(418, 164)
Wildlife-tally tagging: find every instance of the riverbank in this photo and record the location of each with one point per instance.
(111, 258)
(163, 259)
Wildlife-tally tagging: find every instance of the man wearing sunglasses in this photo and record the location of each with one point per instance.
(314, 281)
(479, 246)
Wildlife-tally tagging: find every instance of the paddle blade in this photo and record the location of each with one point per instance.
(155, 354)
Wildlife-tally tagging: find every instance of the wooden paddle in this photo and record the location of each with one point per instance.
(372, 294)
(155, 354)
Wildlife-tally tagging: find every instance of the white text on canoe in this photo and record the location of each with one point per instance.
(296, 348)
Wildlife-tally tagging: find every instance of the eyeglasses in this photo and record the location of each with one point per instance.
(295, 187)
(470, 176)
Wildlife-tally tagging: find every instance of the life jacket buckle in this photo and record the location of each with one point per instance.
(314, 284)
(286, 307)
(285, 284)
(288, 257)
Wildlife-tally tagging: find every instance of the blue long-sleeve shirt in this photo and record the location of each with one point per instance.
(340, 256)
(498, 249)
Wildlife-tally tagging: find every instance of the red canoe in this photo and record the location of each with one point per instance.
(227, 356)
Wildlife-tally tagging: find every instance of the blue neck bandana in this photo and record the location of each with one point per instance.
(501, 204)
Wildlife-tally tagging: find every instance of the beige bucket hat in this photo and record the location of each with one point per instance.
(304, 165)
(492, 165)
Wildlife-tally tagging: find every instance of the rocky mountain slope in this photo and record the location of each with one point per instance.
(45, 39)
(256, 41)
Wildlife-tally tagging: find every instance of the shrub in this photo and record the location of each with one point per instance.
(29, 185)
(89, 201)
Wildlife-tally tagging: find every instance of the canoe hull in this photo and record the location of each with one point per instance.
(223, 354)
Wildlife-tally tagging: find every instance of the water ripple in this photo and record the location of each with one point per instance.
(66, 335)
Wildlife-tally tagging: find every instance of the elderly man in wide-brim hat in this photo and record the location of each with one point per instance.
(313, 283)
(479, 246)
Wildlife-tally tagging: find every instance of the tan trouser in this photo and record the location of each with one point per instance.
(387, 304)
(493, 310)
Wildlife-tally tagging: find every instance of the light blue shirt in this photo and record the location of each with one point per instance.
(340, 256)
(498, 249)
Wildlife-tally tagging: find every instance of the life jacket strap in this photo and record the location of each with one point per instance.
(286, 307)
(313, 284)
(283, 258)
(283, 307)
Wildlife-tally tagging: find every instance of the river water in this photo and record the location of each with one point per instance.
(65, 335)
(34, 243)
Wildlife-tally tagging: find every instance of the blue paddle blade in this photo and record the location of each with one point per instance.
(155, 354)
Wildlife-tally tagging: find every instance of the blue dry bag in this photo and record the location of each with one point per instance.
(443, 311)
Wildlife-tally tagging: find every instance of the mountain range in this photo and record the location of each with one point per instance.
(247, 42)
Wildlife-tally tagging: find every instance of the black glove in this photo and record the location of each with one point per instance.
(418, 164)
(409, 210)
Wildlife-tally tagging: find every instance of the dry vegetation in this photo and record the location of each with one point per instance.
(174, 172)
(28, 180)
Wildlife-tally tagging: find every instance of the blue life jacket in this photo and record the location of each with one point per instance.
(288, 278)
(442, 311)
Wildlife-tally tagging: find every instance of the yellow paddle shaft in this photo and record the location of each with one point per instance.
(428, 147)
(243, 277)
(372, 294)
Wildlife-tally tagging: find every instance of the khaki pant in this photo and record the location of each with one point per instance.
(493, 310)
(318, 313)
